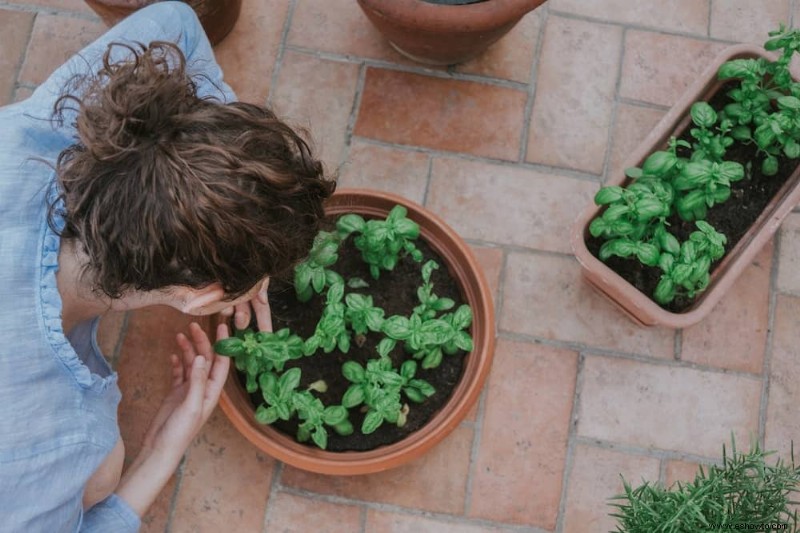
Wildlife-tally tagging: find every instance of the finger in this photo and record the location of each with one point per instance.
(197, 386)
(222, 332)
(263, 314)
(216, 382)
(177, 369)
(187, 348)
(263, 293)
(241, 318)
(227, 312)
(201, 342)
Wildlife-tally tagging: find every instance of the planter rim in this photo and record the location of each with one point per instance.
(433, 17)
(637, 305)
(476, 364)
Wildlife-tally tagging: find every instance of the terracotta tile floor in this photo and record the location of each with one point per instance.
(508, 148)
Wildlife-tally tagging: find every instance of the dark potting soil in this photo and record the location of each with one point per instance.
(732, 218)
(396, 293)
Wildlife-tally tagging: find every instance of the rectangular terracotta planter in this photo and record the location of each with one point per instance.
(639, 306)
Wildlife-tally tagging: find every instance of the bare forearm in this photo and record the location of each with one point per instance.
(145, 479)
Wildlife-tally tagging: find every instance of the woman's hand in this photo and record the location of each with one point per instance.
(198, 376)
(258, 304)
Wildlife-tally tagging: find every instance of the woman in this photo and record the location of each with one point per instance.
(154, 188)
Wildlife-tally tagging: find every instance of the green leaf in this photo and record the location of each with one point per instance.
(703, 114)
(320, 437)
(423, 386)
(659, 164)
(462, 318)
(649, 208)
(397, 213)
(693, 175)
(618, 247)
(769, 167)
(407, 228)
(335, 293)
(389, 262)
(311, 345)
(731, 171)
(669, 243)
(464, 341)
(647, 253)
(266, 415)
(665, 291)
(397, 327)
(305, 294)
(344, 428)
(614, 212)
(334, 414)
(318, 280)
(283, 411)
(343, 342)
(372, 421)
(302, 277)
(349, 223)
(443, 304)
(427, 270)
(791, 149)
(599, 227)
(230, 347)
(353, 372)
(789, 102)
(608, 195)
(289, 380)
(374, 318)
(357, 283)
(353, 396)
(736, 68)
(414, 395)
(358, 302)
(385, 346)
(432, 359)
(408, 369)
(634, 172)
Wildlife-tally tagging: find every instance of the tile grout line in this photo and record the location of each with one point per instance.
(642, 28)
(444, 154)
(614, 108)
(274, 489)
(532, 85)
(614, 354)
(409, 69)
(767, 363)
(23, 57)
(499, 298)
(174, 498)
(662, 472)
(569, 457)
(677, 347)
(427, 181)
(708, 24)
(655, 453)
(477, 429)
(362, 520)
(11, 6)
(627, 100)
(353, 117)
(409, 511)
(123, 331)
(792, 7)
(276, 69)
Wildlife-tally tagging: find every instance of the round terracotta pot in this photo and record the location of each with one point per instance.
(462, 265)
(218, 17)
(439, 34)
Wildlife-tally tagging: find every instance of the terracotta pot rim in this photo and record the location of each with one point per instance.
(639, 306)
(425, 16)
(464, 395)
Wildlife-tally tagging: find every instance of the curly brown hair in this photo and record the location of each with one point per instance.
(165, 188)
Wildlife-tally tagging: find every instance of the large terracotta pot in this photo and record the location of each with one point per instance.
(217, 16)
(639, 306)
(462, 265)
(441, 34)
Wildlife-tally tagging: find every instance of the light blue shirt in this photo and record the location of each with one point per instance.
(58, 396)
